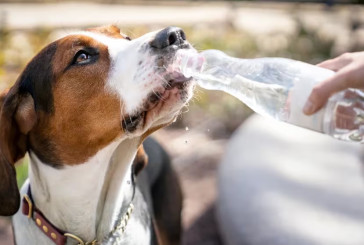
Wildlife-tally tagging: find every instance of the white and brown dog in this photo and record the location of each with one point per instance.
(81, 109)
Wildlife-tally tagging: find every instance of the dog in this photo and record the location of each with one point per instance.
(81, 109)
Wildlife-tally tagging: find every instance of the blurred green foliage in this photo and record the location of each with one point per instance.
(22, 171)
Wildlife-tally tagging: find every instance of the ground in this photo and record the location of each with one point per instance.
(196, 158)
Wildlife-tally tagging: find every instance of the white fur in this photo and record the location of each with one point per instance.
(126, 79)
(68, 195)
(136, 234)
(84, 199)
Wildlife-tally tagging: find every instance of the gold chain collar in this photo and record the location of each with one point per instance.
(119, 228)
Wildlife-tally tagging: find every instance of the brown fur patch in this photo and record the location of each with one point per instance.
(111, 31)
(86, 117)
(25, 115)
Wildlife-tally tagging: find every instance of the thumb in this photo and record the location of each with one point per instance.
(322, 92)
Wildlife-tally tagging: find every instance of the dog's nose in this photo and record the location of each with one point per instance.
(168, 36)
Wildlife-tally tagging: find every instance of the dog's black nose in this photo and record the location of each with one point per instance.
(168, 36)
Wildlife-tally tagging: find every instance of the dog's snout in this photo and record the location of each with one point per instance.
(169, 36)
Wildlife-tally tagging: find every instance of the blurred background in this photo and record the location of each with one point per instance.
(310, 31)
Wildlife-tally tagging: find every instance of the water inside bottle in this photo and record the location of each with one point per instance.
(278, 88)
(270, 86)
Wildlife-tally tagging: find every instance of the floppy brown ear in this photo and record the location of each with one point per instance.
(17, 117)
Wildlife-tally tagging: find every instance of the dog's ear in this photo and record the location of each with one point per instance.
(17, 118)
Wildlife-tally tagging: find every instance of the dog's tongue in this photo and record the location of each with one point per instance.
(178, 77)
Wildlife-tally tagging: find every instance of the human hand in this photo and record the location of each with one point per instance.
(349, 69)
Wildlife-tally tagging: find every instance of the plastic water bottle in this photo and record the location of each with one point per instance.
(278, 88)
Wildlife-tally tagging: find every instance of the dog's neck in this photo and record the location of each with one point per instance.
(85, 199)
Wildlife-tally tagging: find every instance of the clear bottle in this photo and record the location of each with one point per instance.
(278, 88)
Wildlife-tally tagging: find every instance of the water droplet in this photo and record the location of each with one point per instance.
(187, 129)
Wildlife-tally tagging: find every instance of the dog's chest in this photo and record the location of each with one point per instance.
(139, 229)
(136, 233)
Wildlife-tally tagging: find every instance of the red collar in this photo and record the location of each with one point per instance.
(32, 212)
(58, 236)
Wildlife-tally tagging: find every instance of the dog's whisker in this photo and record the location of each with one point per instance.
(123, 121)
(161, 68)
(159, 96)
(166, 83)
(156, 94)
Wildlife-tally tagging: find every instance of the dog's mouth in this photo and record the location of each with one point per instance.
(173, 91)
(177, 80)
(131, 123)
(177, 84)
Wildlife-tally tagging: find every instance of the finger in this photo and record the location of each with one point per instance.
(322, 91)
(335, 64)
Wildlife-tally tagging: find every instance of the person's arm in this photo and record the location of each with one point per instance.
(349, 69)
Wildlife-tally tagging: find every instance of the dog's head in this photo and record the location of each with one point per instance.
(84, 91)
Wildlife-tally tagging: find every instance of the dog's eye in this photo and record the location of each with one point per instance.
(82, 57)
(85, 56)
(128, 38)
